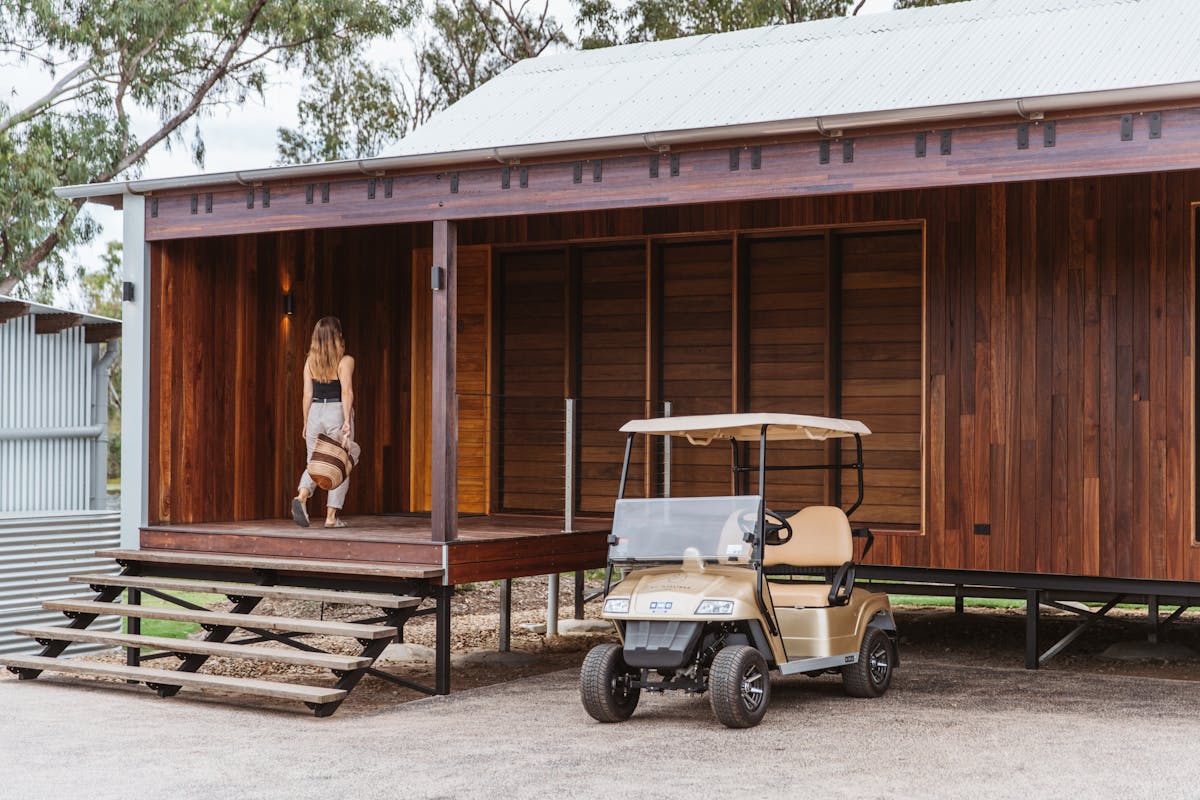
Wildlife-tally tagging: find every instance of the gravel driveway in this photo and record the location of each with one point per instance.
(944, 730)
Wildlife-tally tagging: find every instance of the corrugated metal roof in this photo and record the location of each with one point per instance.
(40, 308)
(970, 52)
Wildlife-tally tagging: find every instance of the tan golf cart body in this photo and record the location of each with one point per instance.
(701, 569)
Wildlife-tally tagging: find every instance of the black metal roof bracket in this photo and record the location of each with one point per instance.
(1127, 127)
(1155, 124)
(919, 144)
(947, 143)
(1023, 136)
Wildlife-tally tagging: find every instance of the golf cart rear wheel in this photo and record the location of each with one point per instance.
(739, 686)
(872, 675)
(604, 685)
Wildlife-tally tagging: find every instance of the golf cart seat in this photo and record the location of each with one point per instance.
(821, 537)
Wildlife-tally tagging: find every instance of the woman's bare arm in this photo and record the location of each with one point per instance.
(307, 403)
(346, 376)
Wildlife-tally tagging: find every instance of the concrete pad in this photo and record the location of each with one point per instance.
(584, 627)
(514, 658)
(943, 731)
(1144, 650)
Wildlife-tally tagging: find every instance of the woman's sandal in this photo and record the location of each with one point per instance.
(341, 523)
(299, 513)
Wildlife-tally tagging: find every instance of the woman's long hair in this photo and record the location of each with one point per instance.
(327, 349)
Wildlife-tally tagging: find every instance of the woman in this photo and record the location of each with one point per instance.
(328, 409)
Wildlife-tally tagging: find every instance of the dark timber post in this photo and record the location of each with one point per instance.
(444, 422)
(1033, 602)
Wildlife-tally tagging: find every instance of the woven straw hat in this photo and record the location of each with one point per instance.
(331, 463)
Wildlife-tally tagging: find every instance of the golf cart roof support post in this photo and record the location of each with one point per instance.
(759, 545)
(625, 466)
(858, 466)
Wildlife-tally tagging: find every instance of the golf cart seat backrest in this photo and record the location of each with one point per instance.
(820, 538)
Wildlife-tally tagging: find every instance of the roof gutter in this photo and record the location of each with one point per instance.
(1032, 107)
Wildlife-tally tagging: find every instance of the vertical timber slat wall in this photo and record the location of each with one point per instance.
(1059, 425)
(227, 364)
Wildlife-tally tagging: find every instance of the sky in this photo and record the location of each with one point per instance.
(236, 138)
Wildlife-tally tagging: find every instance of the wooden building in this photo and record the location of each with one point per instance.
(971, 227)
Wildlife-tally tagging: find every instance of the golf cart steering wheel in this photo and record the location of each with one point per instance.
(772, 533)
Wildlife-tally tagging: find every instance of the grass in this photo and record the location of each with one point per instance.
(169, 628)
(114, 484)
(982, 602)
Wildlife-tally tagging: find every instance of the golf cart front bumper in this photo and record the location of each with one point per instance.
(660, 644)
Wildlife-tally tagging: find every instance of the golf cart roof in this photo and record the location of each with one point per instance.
(702, 429)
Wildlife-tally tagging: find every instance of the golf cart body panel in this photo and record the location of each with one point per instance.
(672, 594)
(812, 632)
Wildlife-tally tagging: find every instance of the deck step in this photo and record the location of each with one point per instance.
(352, 630)
(276, 655)
(306, 565)
(375, 599)
(166, 677)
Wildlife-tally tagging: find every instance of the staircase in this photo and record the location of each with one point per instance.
(159, 573)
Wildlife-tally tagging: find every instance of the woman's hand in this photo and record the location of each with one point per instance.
(345, 428)
(304, 432)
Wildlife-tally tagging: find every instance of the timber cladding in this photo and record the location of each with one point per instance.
(226, 367)
(1058, 336)
(1044, 396)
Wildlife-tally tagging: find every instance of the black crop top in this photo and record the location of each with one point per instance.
(327, 391)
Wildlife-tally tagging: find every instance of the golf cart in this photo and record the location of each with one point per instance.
(718, 592)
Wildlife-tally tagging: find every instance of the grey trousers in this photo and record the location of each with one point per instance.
(326, 418)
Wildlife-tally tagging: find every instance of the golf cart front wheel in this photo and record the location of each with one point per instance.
(872, 675)
(604, 685)
(739, 686)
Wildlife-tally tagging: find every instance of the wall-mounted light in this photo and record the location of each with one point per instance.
(289, 304)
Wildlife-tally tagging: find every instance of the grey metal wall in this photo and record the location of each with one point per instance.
(48, 438)
(37, 555)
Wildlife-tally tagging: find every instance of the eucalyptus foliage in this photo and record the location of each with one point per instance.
(107, 64)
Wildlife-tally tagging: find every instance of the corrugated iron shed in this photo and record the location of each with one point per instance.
(971, 52)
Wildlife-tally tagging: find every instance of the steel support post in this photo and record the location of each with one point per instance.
(505, 615)
(1152, 618)
(958, 599)
(133, 655)
(579, 598)
(442, 652)
(1032, 609)
(666, 454)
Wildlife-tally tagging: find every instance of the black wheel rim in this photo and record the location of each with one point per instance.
(879, 663)
(753, 688)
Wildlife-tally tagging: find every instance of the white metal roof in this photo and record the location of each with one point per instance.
(972, 52)
(705, 428)
(984, 58)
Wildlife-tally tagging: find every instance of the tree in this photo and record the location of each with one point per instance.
(354, 112)
(603, 24)
(106, 62)
(347, 111)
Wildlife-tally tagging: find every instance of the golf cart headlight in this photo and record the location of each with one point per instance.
(715, 607)
(616, 605)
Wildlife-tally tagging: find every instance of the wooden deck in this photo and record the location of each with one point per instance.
(488, 547)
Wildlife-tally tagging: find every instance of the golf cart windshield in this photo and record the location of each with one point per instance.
(668, 529)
